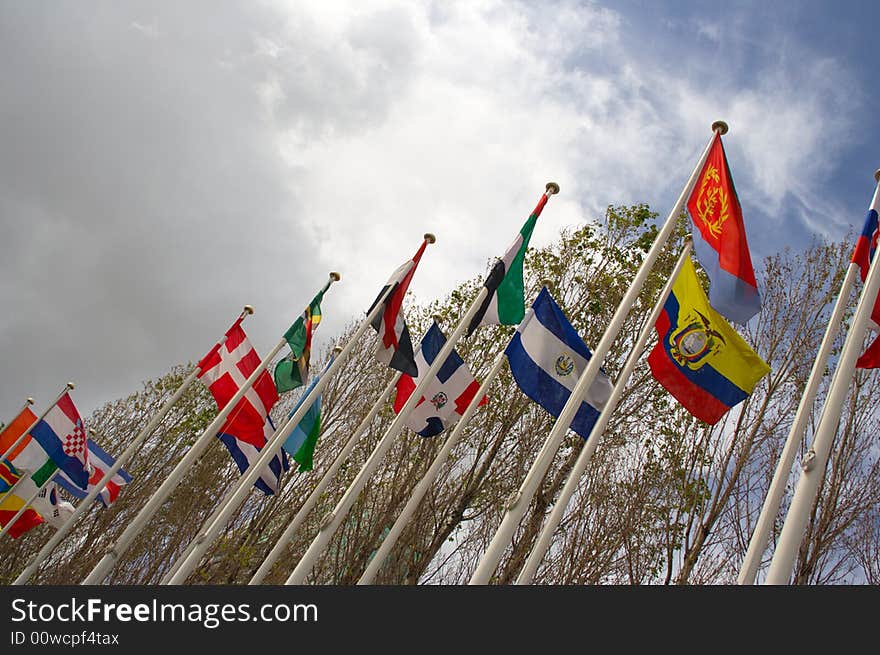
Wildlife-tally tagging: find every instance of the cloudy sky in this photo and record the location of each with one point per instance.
(163, 164)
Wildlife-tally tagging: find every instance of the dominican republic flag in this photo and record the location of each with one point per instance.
(446, 397)
(101, 463)
(224, 371)
(546, 358)
(62, 436)
(720, 242)
(395, 348)
(863, 255)
(505, 302)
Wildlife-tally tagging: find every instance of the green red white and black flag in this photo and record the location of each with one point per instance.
(505, 303)
(395, 348)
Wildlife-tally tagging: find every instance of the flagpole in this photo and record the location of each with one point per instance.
(583, 461)
(431, 474)
(24, 434)
(816, 458)
(272, 446)
(776, 492)
(333, 520)
(329, 476)
(132, 448)
(213, 517)
(27, 503)
(519, 501)
(173, 480)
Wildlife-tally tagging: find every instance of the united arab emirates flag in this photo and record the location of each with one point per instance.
(292, 371)
(505, 303)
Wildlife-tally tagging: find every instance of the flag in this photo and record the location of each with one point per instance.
(101, 463)
(49, 505)
(62, 435)
(720, 242)
(247, 428)
(293, 371)
(446, 396)
(28, 455)
(546, 358)
(9, 506)
(863, 255)
(9, 475)
(300, 443)
(395, 348)
(505, 302)
(699, 358)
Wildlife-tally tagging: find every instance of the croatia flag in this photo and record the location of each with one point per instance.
(101, 463)
(395, 348)
(224, 371)
(446, 397)
(62, 435)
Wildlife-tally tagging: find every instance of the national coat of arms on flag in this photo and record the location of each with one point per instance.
(699, 358)
(546, 357)
(446, 397)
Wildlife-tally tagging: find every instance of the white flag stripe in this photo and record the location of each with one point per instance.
(229, 364)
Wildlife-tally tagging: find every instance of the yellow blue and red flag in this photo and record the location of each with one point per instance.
(699, 358)
(720, 242)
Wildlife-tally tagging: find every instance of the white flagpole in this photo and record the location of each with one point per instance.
(583, 461)
(173, 480)
(519, 502)
(210, 532)
(334, 519)
(770, 508)
(213, 517)
(27, 504)
(24, 434)
(132, 448)
(329, 476)
(431, 474)
(807, 488)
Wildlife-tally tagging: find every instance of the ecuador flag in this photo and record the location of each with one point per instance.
(699, 358)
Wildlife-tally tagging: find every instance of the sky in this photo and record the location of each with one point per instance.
(164, 164)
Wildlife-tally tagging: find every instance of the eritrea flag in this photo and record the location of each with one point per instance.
(720, 243)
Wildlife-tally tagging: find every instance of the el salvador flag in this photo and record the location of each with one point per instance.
(546, 357)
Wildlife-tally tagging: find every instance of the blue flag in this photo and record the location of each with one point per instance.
(300, 443)
(547, 356)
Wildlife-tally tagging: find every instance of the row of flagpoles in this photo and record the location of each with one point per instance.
(547, 358)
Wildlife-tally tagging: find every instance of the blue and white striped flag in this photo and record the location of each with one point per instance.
(546, 357)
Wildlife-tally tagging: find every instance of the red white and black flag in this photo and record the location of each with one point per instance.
(395, 347)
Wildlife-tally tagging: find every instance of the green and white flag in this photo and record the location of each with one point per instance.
(505, 303)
